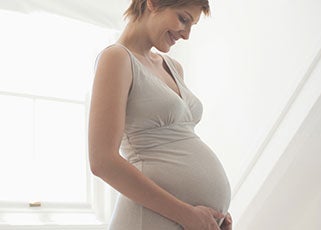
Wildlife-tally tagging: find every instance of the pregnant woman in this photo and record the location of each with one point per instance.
(167, 177)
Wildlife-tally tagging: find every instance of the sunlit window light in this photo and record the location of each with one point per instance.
(47, 64)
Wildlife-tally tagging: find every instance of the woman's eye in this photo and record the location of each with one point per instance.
(183, 20)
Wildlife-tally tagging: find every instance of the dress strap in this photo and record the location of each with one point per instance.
(124, 47)
(132, 60)
(114, 44)
(173, 68)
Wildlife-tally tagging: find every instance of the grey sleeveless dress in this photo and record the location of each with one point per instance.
(160, 141)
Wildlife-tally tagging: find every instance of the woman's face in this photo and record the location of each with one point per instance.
(170, 24)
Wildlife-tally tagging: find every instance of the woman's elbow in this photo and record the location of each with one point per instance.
(96, 162)
(95, 169)
(100, 166)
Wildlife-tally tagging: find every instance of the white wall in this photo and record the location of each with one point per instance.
(290, 197)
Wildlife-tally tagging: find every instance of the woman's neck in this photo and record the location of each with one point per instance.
(136, 38)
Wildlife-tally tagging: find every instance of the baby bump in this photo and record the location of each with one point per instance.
(190, 171)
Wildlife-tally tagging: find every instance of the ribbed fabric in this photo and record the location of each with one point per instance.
(159, 140)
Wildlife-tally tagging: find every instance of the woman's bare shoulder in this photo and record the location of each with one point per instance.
(114, 62)
(113, 72)
(113, 54)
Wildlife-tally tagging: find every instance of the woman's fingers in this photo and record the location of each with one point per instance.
(228, 218)
(216, 214)
(227, 223)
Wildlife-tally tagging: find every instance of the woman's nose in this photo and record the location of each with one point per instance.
(185, 33)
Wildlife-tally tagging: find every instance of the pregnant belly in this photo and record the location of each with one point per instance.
(189, 170)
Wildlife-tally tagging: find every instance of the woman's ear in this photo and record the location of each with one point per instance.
(150, 5)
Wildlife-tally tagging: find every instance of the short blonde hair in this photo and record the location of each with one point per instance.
(137, 7)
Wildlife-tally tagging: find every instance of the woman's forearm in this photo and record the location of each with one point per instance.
(132, 183)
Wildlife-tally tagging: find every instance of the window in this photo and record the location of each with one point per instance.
(46, 72)
(43, 150)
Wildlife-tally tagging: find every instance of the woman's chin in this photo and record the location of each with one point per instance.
(164, 48)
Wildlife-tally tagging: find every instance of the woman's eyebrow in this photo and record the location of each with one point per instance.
(189, 15)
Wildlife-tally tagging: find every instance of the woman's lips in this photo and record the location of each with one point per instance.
(171, 38)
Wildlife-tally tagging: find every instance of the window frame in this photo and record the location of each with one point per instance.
(100, 197)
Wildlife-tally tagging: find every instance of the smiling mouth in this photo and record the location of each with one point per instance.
(172, 38)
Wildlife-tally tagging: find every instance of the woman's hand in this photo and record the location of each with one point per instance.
(227, 223)
(203, 218)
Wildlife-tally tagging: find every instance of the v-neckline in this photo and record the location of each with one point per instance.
(172, 74)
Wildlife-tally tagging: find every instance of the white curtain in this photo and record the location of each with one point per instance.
(106, 13)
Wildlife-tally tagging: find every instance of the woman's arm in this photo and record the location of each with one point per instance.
(106, 126)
